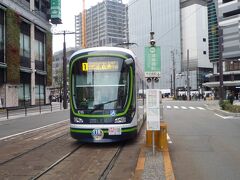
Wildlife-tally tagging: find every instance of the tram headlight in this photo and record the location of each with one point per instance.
(77, 120)
(120, 120)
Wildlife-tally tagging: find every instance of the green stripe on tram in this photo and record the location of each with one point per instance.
(86, 131)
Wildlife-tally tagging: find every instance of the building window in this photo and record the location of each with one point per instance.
(226, 1)
(39, 51)
(204, 52)
(1, 36)
(25, 44)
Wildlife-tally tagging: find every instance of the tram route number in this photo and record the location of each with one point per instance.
(114, 131)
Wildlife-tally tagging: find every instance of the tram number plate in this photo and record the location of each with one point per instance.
(114, 131)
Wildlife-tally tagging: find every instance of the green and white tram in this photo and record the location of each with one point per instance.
(104, 95)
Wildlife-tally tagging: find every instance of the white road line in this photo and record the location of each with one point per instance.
(183, 107)
(191, 107)
(201, 108)
(176, 107)
(224, 117)
(6, 137)
(169, 140)
(169, 107)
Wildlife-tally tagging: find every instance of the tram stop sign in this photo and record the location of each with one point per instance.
(152, 64)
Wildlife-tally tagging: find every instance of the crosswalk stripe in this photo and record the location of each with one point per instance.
(175, 107)
(201, 108)
(183, 107)
(191, 107)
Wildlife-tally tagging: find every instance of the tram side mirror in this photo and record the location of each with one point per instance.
(129, 61)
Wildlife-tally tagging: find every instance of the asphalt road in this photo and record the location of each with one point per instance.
(204, 146)
(14, 126)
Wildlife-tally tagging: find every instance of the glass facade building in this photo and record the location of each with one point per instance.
(163, 18)
(213, 31)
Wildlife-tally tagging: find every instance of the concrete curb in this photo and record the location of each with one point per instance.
(222, 112)
(140, 164)
(169, 174)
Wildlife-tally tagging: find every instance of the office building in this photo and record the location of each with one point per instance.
(194, 39)
(57, 66)
(228, 17)
(163, 18)
(105, 24)
(25, 52)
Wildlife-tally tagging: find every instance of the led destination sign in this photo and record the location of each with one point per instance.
(100, 66)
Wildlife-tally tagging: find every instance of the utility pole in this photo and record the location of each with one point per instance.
(65, 104)
(220, 41)
(188, 88)
(171, 86)
(174, 74)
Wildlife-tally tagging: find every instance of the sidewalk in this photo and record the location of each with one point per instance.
(31, 112)
(214, 106)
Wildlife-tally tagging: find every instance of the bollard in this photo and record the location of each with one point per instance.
(160, 138)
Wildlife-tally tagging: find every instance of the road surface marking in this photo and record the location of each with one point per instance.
(201, 108)
(224, 117)
(169, 107)
(176, 107)
(169, 139)
(191, 107)
(183, 107)
(13, 135)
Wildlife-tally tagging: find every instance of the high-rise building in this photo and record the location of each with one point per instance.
(25, 52)
(213, 31)
(105, 24)
(163, 18)
(228, 16)
(194, 39)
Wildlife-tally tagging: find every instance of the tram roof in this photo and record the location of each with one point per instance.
(117, 49)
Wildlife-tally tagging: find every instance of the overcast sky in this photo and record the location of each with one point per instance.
(70, 8)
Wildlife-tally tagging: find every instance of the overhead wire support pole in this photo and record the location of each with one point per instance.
(83, 24)
(151, 14)
(220, 41)
(65, 103)
(174, 75)
(188, 86)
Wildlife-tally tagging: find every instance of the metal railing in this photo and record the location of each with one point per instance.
(27, 110)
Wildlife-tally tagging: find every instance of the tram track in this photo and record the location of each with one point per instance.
(109, 167)
(56, 163)
(30, 150)
(13, 148)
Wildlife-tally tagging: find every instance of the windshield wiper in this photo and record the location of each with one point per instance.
(100, 106)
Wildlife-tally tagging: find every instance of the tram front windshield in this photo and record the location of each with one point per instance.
(99, 84)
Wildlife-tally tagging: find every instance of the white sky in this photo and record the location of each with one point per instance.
(70, 8)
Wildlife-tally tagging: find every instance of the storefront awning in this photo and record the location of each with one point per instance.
(225, 83)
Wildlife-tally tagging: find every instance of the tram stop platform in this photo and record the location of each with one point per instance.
(155, 165)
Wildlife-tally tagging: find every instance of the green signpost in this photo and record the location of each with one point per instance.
(56, 11)
(152, 65)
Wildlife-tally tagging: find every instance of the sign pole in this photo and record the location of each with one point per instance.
(153, 132)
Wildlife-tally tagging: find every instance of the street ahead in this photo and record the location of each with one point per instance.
(204, 145)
